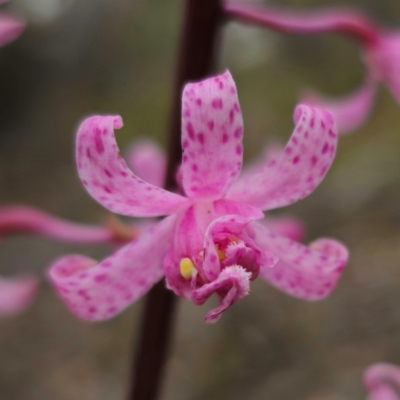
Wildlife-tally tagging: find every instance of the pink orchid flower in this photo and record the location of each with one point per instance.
(382, 59)
(380, 52)
(11, 26)
(17, 293)
(149, 162)
(383, 382)
(210, 242)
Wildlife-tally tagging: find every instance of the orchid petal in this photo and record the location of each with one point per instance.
(232, 225)
(187, 242)
(289, 227)
(148, 162)
(225, 206)
(299, 169)
(309, 273)
(108, 179)
(257, 165)
(383, 392)
(16, 219)
(377, 379)
(383, 58)
(11, 27)
(349, 112)
(233, 281)
(212, 132)
(16, 294)
(98, 292)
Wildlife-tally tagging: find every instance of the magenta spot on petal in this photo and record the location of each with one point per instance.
(225, 138)
(124, 174)
(88, 153)
(100, 278)
(200, 137)
(198, 102)
(312, 122)
(232, 90)
(99, 143)
(210, 125)
(231, 115)
(112, 310)
(185, 144)
(296, 160)
(195, 168)
(306, 134)
(314, 160)
(295, 141)
(108, 173)
(322, 124)
(239, 149)
(331, 133)
(185, 158)
(325, 148)
(213, 258)
(217, 103)
(238, 132)
(107, 189)
(288, 150)
(190, 130)
(186, 113)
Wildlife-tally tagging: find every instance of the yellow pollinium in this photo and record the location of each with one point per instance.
(187, 268)
(221, 255)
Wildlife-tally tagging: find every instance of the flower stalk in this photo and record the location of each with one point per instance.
(202, 20)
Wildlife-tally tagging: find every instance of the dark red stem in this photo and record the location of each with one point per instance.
(199, 36)
(339, 20)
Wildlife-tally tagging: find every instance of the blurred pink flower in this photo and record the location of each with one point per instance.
(383, 382)
(382, 59)
(380, 52)
(11, 26)
(210, 242)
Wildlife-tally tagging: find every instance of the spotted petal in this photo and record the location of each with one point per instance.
(300, 167)
(212, 131)
(107, 177)
(289, 227)
(349, 112)
(16, 294)
(100, 291)
(309, 273)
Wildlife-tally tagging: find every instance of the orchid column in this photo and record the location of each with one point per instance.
(199, 35)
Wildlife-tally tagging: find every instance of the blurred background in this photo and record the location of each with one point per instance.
(79, 57)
